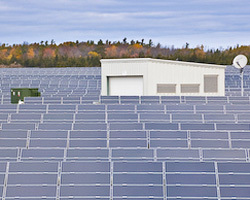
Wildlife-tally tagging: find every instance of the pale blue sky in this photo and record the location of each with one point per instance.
(213, 23)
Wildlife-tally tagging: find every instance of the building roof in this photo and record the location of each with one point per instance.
(172, 62)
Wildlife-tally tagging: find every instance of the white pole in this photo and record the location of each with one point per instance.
(242, 83)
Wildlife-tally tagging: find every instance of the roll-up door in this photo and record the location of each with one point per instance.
(125, 86)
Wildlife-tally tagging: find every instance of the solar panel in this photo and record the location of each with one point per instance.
(127, 134)
(31, 191)
(82, 179)
(161, 126)
(49, 134)
(114, 143)
(138, 167)
(88, 134)
(16, 167)
(84, 191)
(138, 179)
(69, 145)
(235, 192)
(13, 134)
(138, 191)
(86, 167)
(125, 126)
(48, 143)
(90, 126)
(87, 143)
(168, 143)
(55, 126)
(192, 191)
(28, 179)
(18, 126)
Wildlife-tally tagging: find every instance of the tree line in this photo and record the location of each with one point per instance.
(88, 54)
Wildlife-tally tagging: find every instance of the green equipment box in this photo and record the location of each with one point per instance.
(19, 94)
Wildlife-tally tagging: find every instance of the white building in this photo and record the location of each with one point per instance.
(146, 76)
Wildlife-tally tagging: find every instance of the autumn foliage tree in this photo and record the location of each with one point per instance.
(88, 54)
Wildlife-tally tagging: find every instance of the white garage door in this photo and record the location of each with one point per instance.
(126, 86)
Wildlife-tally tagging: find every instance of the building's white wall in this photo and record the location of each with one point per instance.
(163, 72)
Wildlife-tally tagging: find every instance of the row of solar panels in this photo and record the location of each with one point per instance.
(125, 139)
(60, 125)
(132, 108)
(114, 116)
(118, 180)
(122, 154)
(88, 95)
(165, 135)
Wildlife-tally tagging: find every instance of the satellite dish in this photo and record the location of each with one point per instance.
(240, 61)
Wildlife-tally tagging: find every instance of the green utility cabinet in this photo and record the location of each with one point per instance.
(19, 94)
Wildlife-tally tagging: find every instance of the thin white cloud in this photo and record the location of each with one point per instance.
(113, 19)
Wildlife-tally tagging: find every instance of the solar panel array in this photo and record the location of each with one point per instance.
(72, 143)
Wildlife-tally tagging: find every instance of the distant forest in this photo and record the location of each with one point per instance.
(88, 54)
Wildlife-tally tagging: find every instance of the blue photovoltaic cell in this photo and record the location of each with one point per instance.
(127, 134)
(190, 167)
(49, 134)
(137, 178)
(2, 176)
(88, 143)
(240, 144)
(178, 153)
(234, 179)
(168, 143)
(48, 143)
(161, 126)
(125, 117)
(169, 134)
(85, 179)
(18, 126)
(42, 153)
(90, 117)
(127, 143)
(132, 153)
(1, 190)
(85, 166)
(137, 167)
(8, 153)
(235, 191)
(210, 143)
(225, 154)
(131, 198)
(13, 142)
(84, 191)
(33, 167)
(57, 117)
(25, 117)
(88, 134)
(150, 107)
(240, 135)
(232, 126)
(87, 126)
(31, 191)
(234, 167)
(197, 126)
(199, 179)
(191, 191)
(88, 153)
(208, 135)
(55, 126)
(32, 179)
(142, 191)
(125, 126)
(2, 167)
